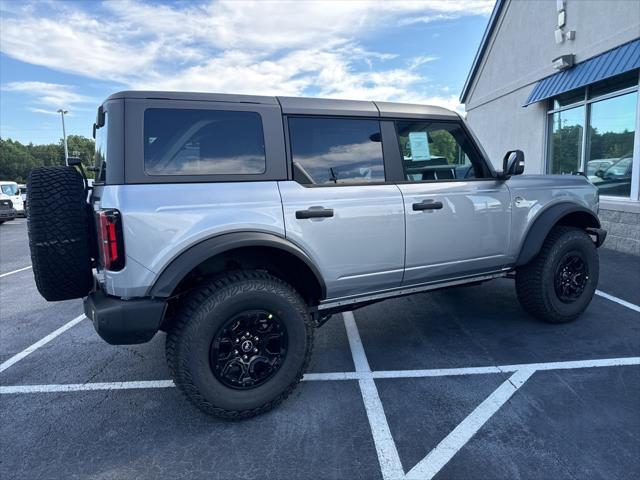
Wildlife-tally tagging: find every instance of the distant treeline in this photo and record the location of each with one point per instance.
(17, 159)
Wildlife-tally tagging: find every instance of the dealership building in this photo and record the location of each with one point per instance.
(559, 79)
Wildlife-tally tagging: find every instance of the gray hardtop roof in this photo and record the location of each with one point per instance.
(304, 105)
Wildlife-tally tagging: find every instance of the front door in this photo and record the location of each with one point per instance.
(338, 207)
(457, 213)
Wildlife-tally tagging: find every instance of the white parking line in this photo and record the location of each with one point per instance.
(390, 464)
(27, 351)
(341, 376)
(624, 303)
(314, 377)
(84, 387)
(15, 271)
(430, 465)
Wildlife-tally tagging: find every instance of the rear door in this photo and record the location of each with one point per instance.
(457, 213)
(339, 208)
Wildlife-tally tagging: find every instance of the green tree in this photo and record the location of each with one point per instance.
(85, 147)
(17, 159)
(443, 145)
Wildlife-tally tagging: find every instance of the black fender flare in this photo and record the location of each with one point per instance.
(193, 256)
(546, 220)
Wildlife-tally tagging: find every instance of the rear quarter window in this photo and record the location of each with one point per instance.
(203, 142)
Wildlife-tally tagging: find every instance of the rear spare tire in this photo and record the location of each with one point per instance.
(60, 235)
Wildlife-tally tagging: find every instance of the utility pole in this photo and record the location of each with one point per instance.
(64, 136)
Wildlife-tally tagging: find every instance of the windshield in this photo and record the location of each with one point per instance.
(619, 168)
(9, 189)
(100, 158)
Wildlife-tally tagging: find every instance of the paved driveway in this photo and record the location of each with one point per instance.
(451, 384)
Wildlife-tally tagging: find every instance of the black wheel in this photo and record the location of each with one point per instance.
(240, 344)
(559, 283)
(59, 225)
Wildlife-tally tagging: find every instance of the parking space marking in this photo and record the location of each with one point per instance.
(15, 271)
(83, 387)
(311, 377)
(388, 458)
(430, 465)
(341, 376)
(619, 301)
(29, 350)
(573, 364)
(22, 222)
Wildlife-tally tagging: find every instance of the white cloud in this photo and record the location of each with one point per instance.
(45, 111)
(48, 94)
(427, 19)
(285, 48)
(415, 62)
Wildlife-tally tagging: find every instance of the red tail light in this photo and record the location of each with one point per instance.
(110, 239)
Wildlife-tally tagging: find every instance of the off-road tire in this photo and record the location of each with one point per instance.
(205, 311)
(535, 280)
(59, 233)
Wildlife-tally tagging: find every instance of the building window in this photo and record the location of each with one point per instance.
(611, 133)
(567, 132)
(593, 130)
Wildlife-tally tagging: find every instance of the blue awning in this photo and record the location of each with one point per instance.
(619, 60)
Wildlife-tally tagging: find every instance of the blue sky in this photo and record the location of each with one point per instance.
(74, 54)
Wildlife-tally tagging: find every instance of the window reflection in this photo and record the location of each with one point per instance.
(567, 129)
(433, 151)
(328, 150)
(203, 142)
(611, 134)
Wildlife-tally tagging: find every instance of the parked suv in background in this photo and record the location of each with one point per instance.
(237, 224)
(7, 212)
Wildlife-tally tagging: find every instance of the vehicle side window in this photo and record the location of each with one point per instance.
(100, 155)
(437, 151)
(203, 142)
(329, 151)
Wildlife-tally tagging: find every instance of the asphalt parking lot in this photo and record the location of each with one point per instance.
(452, 384)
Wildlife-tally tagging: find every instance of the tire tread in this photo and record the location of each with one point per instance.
(530, 278)
(202, 301)
(59, 235)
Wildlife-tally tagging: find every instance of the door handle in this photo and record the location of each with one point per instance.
(427, 205)
(315, 212)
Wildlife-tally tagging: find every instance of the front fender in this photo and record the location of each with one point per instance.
(546, 220)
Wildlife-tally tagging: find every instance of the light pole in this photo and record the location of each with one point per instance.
(64, 136)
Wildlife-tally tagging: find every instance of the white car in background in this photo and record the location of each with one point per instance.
(11, 191)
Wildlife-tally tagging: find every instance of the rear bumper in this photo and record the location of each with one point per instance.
(8, 214)
(124, 322)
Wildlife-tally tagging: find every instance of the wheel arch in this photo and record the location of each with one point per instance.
(568, 214)
(258, 249)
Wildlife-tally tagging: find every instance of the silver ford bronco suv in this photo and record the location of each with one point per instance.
(237, 224)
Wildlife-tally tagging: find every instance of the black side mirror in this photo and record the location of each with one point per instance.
(513, 163)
